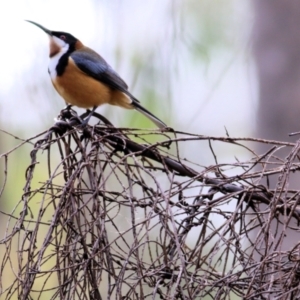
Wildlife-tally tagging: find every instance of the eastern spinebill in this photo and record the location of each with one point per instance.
(84, 79)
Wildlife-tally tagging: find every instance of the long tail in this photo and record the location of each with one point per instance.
(148, 114)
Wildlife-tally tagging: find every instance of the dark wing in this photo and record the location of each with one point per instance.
(91, 63)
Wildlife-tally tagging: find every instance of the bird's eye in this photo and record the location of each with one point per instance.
(62, 37)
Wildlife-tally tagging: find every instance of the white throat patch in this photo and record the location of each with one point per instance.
(64, 47)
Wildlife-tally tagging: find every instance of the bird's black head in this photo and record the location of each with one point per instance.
(65, 37)
(60, 40)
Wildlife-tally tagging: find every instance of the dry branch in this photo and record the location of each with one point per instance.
(120, 218)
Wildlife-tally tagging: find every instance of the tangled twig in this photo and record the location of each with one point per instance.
(119, 217)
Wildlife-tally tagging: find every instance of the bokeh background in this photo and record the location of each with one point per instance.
(190, 62)
(187, 61)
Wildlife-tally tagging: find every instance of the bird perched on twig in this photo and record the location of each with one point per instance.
(84, 79)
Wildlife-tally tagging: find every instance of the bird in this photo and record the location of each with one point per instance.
(84, 79)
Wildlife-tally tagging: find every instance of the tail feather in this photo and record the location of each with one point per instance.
(148, 114)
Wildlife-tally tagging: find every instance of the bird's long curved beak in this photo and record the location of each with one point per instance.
(41, 27)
